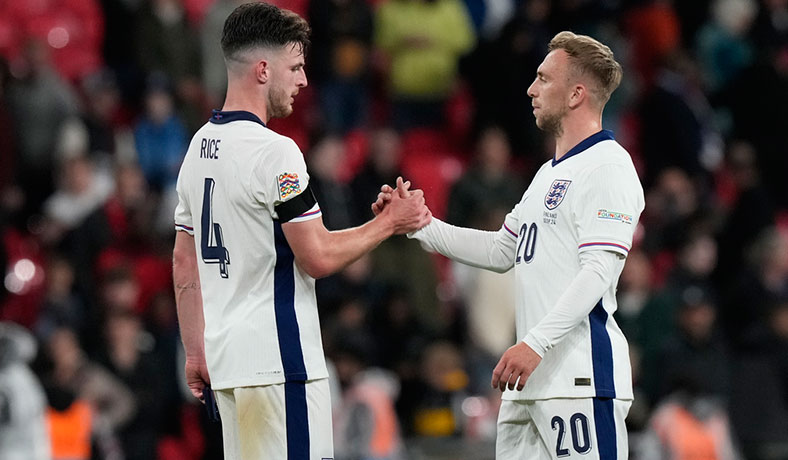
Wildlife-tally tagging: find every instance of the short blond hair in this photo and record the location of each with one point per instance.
(591, 58)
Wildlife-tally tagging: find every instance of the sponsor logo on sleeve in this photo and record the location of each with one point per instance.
(288, 185)
(556, 193)
(604, 214)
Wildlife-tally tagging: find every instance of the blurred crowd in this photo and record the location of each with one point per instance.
(98, 101)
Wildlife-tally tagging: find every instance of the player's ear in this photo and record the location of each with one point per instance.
(262, 71)
(577, 96)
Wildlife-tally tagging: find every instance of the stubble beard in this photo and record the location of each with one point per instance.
(279, 104)
(552, 124)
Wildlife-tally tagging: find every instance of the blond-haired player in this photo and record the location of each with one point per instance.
(567, 383)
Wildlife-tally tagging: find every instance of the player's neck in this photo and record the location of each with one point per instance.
(574, 131)
(240, 99)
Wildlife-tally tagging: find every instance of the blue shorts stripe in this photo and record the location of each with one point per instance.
(605, 422)
(284, 309)
(601, 353)
(297, 421)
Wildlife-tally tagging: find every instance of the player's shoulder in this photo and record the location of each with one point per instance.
(610, 151)
(608, 154)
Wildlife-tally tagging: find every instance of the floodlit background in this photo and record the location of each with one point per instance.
(98, 101)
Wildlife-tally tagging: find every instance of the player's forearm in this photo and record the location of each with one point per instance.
(478, 248)
(188, 299)
(597, 272)
(340, 248)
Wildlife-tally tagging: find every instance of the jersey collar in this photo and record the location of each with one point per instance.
(586, 143)
(220, 117)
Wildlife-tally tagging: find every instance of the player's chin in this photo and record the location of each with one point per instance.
(282, 112)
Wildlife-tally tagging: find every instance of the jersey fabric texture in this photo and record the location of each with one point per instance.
(590, 199)
(238, 183)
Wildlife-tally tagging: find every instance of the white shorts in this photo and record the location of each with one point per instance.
(587, 428)
(287, 421)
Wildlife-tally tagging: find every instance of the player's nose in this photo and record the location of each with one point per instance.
(302, 81)
(531, 91)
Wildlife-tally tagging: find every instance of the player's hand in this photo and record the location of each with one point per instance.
(197, 378)
(386, 193)
(406, 209)
(518, 362)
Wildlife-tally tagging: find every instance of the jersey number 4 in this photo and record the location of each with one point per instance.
(211, 242)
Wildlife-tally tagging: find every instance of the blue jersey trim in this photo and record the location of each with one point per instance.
(284, 309)
(219, 117)
(297, 421)
(587, 143)
(601, 353)
(605, 423)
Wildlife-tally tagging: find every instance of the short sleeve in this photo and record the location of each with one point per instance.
(183, 213)
(281, 183)
(608, 209)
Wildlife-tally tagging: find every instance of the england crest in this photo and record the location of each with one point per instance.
(556, 193)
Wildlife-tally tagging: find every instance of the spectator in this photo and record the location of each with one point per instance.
(383, 166)
(423, 41)
(489, 188)
(761, 417)
(697, 258)
(102, 115)
(167, 45)
(686, 427)
(160, 136)
(762, 281)
(366, 425)
(325, 162)
(129, 355)
(41, 102)
(161, 140)
(723, 47)
(63, 307)
(519, 48)
(74, 377)
(214, 72)
(82, 190)
(23, 430)
(120, 53)
(764, 84)
(340, 59)
(436, 411)
(635, 290)
(678, 127)
(696, 355)
(73, 221)
(750, 212)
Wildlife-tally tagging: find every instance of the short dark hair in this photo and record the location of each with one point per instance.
(259, 24)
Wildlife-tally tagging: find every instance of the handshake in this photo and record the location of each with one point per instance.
(404, 208)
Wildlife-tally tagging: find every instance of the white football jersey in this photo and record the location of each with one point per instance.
(238, 183)
(590, 199)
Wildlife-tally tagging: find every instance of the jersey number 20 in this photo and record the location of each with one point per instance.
(211, 242)
(527, 246)
(578, 425)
